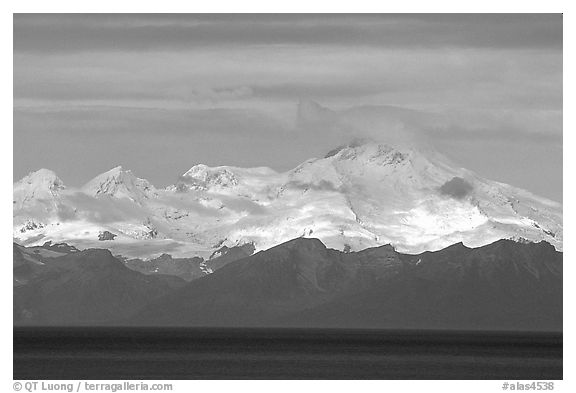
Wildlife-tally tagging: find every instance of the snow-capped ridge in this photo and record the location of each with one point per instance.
(382, 153)
(42, 178)
(41, 186)
(224, 179)
(202, 176)
(386, 154)
(120, 183)
(358, 196)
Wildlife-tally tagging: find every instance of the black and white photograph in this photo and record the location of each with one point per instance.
(288, 196)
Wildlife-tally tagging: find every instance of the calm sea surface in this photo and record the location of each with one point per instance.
(136, 353)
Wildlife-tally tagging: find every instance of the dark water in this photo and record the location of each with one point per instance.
(123, 353)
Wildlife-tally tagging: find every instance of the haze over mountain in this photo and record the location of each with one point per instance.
(222, 89)
(357, 196)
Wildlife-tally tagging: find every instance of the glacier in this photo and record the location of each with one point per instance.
(356, 197)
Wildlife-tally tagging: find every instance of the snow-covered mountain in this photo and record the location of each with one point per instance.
(120, 183)
(42, 184)
(355, 197)
(36, 200)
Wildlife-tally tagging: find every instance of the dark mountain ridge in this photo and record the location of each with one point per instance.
(88, 287)
(502, 286)
(505, 285)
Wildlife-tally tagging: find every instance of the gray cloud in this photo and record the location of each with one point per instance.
(109, 120)
(101, 210)
(194, 207)
(243, 205)
(457, 188)
(222, 90)
(65, 33)
(223, 201)
(402, 126)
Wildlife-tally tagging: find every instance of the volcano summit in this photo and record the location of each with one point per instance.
(356, 197)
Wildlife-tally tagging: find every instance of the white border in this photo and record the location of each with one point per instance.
(293, 6)
(308, 6)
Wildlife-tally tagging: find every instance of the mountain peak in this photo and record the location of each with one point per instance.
(371, 151)
(395, 156)
(198, 170)
(304, 243)
(37, 187)
(352, 144)
(202, 176)
(44, 178)
(42, 172)
(118, 182)
(117, 169)
(116, 172)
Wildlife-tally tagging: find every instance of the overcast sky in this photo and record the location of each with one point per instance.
(161, 93)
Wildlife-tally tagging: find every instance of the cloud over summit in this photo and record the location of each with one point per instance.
(223, 90)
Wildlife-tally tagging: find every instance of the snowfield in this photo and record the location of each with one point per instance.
(355, 198)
